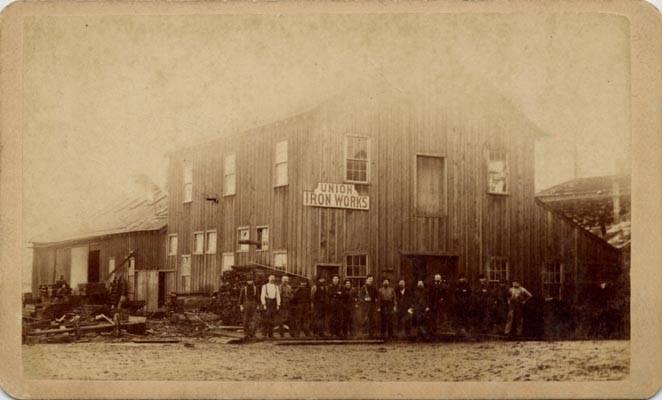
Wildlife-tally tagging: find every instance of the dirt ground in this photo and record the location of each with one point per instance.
(487, 361)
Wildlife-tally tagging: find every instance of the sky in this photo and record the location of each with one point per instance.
(107, 97)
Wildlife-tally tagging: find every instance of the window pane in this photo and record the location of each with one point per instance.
(281, 152)
(230, 184)
(211, 242)
(186, 266)
(244, 234)
(497, 172)
(280, 261)
(111, 265)
(188, 192)
(228, 262)
(281, 174)
(198, 242)
(173, 245)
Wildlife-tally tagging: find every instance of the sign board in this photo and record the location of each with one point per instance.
(336, 195)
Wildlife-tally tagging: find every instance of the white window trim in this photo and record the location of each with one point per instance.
(170, 252)
(248, 247)
(487, 172)
(356, 253)
(206, 245)
(256, 237)
(561, 279)
(368, 161)
(444, 206)
(194, 250)
(225, 175)
(489, 264)
(286, 162)
(280, 252)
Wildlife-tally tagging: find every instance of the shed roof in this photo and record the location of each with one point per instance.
(143, 208)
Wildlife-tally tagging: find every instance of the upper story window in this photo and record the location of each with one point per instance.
(552, 280)
(430, 186)
(198, 242)
(211, 242)
(497, 173)
(497, 269)
(357, 159)
(280, 164)
(230, 175)
(172, 245)
(188, 182)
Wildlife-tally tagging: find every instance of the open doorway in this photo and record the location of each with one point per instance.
(93, 270)
(327, 271)
(423, 267)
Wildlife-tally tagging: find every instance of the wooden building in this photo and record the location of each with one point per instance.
(379, 180)
(135, 224)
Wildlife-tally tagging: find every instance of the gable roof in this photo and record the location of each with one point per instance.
(145, 208)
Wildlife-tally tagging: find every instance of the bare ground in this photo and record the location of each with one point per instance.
(214, 360)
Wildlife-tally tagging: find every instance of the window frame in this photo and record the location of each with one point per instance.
(545, 283)
(182, 275)
(277, 253)
(170, 252)
(206, 245)
(286, 163)
(367, 160)
(223, 256)
(240, 249)
(506, 158)
(257, 237)
(233, 156)
(444, 205)
(345, 267)
(195, 251)
(185, 184)
(489, 269)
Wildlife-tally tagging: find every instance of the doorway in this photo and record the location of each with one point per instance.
(423, 267)
(327, 271)
(93, 270)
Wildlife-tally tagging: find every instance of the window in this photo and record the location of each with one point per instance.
(211, 242)
(132, 277)
(263, 238)
(280, 260)
(243, 233)
(188, 182)
(230, 175)
(552, 279)
(497, 173)
(430, 186)
(497, 269)
(227, 262)
(357, 159)
(111, 265)
(356, 268)
(186, 273)
(280, 165)
(172, 245)
(198, 242)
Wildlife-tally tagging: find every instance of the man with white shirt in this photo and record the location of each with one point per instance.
(270, 298)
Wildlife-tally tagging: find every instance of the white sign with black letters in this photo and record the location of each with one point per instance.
(336, 195)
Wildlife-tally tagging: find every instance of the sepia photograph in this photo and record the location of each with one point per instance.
(326, 197)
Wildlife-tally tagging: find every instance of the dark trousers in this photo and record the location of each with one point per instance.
(347, 321)
(421, 324)
(284, 318)
(319, 319)
(270, 317)
(300, 319)
(404, 323)
(387, 319)
(516, 318)
(335, 318)
(369, 311)
(249, 317)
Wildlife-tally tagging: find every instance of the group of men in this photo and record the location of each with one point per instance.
(344, 311)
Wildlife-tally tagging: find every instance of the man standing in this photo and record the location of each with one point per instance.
(248, 301)
(285, 314)
(462, 304)
(437, 303)
(335, 305)
(517, 297)
(404, 309)
(300, 307)
(420, 310)
(270, 298)
(368, 298)
(349, 304)
(319, 297)
(387, 306)
(484, 302)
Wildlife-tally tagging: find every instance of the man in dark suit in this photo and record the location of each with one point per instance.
(319, 296)
(249, 298)
(368, 300)
(300, 306)
(404, 310)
